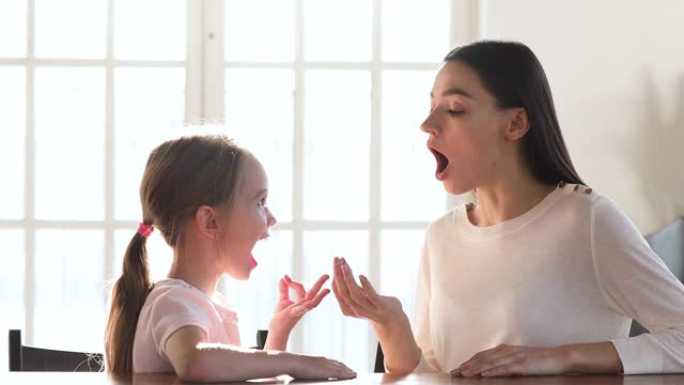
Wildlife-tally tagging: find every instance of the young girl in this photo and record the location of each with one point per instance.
(541, 275)
(207, 197)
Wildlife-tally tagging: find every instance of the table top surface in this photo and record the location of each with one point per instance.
(24, 378)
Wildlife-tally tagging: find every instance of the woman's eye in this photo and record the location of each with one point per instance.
(456, 112)
(262, 202)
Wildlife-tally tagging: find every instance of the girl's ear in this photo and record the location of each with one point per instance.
(207, 221)
(518, 125)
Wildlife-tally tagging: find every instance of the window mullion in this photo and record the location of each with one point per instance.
(211, 65)
(108, 265)
(30, 183)
(297, 340)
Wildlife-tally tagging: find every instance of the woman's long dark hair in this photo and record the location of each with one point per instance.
(513, 75)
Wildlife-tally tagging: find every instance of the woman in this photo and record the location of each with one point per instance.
(540, 275)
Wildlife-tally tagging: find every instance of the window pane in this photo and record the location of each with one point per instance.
(399, 263)
(12, 145)
(13, 16)
(255, 299)
(350, 341)
(12, 257)
(428, 43)
(141, 125)
(337, 30)
(70, 143)
(71, 28)
(251, 34)
(159, 253)
(70, 290)
(260, 115)
(141, 34)
(337, 139)
(409, 188)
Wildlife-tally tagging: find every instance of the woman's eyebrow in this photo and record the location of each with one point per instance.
(454, 91)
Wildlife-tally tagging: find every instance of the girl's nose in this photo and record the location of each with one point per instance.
(271, 220)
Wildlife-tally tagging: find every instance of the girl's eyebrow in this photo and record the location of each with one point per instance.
(261, 192)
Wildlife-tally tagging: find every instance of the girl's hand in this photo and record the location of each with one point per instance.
(362, 301)
(289, 311)
(506, 360)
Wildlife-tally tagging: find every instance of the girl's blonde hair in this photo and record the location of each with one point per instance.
(180, 176)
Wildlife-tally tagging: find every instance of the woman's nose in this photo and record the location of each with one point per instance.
(428, 125)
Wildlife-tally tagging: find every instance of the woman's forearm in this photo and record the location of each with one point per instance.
(398, 344)
(595, 357)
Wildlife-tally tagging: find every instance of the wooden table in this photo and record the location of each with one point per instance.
(43, 378)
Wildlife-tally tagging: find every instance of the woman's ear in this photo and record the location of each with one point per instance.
(207, 221)
(518, 125)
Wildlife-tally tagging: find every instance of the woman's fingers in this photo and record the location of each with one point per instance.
(369, 291)
(355, 292)
(339, 280)
(344, 305)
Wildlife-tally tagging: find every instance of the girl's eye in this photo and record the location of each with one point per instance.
(456, 112)
(262, 202)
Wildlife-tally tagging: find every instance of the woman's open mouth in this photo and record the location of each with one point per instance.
(442, 163)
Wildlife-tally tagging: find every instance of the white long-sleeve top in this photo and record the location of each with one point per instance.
(573, 269)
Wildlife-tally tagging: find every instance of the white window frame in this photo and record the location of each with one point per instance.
(205, 68)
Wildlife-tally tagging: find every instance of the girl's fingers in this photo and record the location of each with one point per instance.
(298, 288)
(317, 286)
(284, 289)
(318, 298)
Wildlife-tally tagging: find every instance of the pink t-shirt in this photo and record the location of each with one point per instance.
(171, 305)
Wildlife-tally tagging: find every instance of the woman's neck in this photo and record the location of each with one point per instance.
(507, 198)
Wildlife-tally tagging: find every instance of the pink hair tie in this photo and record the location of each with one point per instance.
(145, 230)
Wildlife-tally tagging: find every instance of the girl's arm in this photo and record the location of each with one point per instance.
(391, 325)
(196, 361)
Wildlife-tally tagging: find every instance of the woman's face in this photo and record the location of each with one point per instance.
(248, 221)
(465, 127)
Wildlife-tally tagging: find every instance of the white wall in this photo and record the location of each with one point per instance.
(616, 69)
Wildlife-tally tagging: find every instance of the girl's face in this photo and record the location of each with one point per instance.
(248, 221)
(465, 127)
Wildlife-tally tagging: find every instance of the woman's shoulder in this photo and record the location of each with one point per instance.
(448, 218)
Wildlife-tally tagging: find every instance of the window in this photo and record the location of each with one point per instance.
(329, 95)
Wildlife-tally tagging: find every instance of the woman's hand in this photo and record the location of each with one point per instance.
(389, 321)
(289, 311)
(362, 301)
(320, 368)
(506, 360)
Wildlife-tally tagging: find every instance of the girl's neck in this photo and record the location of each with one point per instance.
(197, 269)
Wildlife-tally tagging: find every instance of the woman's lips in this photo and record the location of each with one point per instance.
(442, 163)
(252, 262)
